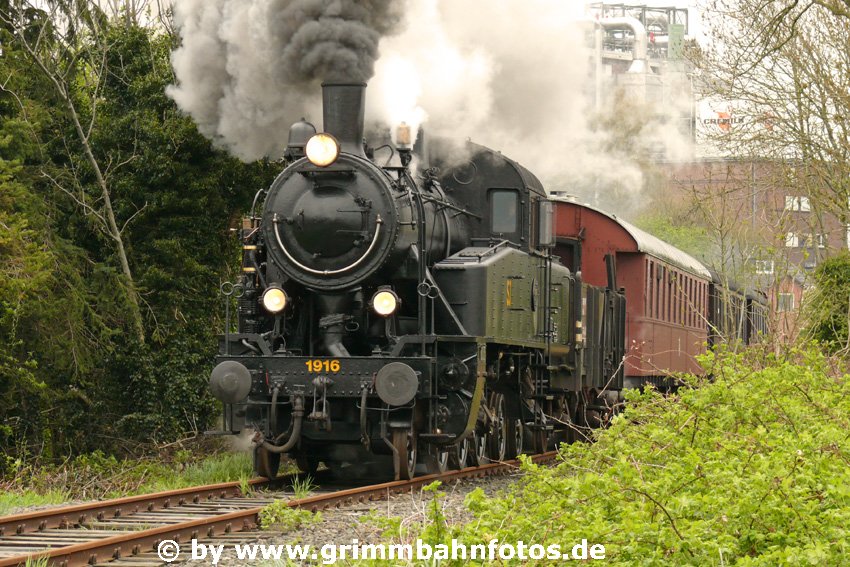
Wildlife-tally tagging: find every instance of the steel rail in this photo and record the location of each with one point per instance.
(144, 541)
(65, 516)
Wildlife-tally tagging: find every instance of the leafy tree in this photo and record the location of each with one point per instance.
(783, 67)
(828, 309)
(688, 237)
(76, 381)
(24, 276)
(185, 197)
(64, 41)
(51, 329)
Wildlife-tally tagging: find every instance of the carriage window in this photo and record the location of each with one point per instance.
(650, 294)
(692, 292)
(698, 306)
(681, 286)
(504, 208)
(677, 298)
(657, 294)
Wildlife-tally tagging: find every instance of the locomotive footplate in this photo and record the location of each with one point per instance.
(395, 380)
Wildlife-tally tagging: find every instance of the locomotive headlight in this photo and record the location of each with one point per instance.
(322, 150)
(385, 302)
(275, 300)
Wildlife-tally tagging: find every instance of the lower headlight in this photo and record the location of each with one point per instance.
(385, 302)
(275, 300)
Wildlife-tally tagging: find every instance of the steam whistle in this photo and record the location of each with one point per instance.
(404, 144)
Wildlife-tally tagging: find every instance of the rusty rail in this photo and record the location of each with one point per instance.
(144, 541)
(66, 516)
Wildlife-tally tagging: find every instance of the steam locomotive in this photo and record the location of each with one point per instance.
(410, 317)
(406, 318)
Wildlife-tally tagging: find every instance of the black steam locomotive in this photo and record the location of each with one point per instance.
(410, 319)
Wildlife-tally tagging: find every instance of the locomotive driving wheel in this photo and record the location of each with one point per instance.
(459, 454)
(404, 443)
(515, 438)
(498, 438)
(437, 460)
(266, 463)
(476, 449)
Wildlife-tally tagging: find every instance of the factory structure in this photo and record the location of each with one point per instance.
(639, 53)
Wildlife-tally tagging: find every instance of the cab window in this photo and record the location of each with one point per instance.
(504, 209)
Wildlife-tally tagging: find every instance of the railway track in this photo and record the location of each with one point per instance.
(132, 528)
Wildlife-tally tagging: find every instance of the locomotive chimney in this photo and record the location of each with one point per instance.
(344, 110)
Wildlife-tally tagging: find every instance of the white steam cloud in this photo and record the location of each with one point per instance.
(518, 76)
(515, 75)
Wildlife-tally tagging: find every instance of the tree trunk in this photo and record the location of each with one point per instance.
(111, 224)
(114, 231)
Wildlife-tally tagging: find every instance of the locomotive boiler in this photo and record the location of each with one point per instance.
(409, 317)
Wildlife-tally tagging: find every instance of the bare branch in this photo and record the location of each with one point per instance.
(133, 216)
(80, 201)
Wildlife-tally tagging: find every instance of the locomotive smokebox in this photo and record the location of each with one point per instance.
(344, 109)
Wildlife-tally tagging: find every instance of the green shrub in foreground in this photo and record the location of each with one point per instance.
(750, 469)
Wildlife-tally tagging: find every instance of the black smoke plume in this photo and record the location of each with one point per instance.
(246, 69)
(334, 40)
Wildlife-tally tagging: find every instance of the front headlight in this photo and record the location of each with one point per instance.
(275, 300)
(385, 302)
(322, 150)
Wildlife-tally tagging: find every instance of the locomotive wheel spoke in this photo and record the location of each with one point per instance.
(459, 454)
(498, 432)
(266, 463)
(476, 449)
(437, 460)
(443, 459)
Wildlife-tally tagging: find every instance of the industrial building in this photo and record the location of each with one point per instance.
(640, 54)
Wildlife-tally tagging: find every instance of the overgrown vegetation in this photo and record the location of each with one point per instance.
(281, 517)
(750, 468)
(302, 487)
(97, 476)
(75, 375)
(828, 307)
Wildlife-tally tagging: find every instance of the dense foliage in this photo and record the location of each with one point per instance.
(750, 468)
(828, 306)
(74, 373)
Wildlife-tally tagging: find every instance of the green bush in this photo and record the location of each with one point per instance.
(827, 310)
(748, 469)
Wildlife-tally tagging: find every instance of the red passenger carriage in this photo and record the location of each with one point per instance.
(667, 290)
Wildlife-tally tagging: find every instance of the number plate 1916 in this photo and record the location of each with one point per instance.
(316, 366)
